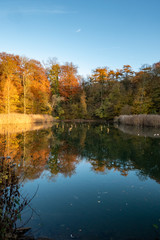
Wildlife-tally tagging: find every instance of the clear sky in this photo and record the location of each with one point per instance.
(89, 33)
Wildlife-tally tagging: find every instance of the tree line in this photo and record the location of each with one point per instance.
(27, 86)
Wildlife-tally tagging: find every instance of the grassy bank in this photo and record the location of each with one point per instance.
(18, 118)
(149, 120)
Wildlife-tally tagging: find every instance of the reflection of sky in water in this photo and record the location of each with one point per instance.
(90, 204)
(93, 184)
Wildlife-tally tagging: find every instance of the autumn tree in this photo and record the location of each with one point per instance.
(10, 83)
(83, 104)
(69, 81)
(100, 76)
(24, 86)
(26, 75)
(53, 71)
(27, 87)
(155, 88)
(126, 76)
(142, 103)
(39, 88)
(112, 104)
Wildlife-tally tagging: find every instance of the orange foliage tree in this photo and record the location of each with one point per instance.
(69, 81)
(39, 88)
(101, 76)
(10, 83)
(24, 86)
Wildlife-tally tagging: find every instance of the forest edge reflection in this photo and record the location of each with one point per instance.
(60, 149)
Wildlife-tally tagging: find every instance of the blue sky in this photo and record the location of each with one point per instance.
(89, 33)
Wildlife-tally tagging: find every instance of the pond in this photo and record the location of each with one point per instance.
(81, 181)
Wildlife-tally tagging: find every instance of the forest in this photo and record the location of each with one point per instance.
(30, 87)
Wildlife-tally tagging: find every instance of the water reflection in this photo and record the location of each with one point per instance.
(59, 153)
(106, 150)
(30, 151)
(61, 148)
(140, 131)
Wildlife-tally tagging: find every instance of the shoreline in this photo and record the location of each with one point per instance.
(141, 120)
(81, 120)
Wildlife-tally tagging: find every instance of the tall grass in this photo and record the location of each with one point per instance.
(149, 120)
(17, 118)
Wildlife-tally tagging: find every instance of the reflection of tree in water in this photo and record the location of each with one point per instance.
(10, 145)
(63, 160)
(35, 151)
(30, 151)
(111, 149)
(61, 149)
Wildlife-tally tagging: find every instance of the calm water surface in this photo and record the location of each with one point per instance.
(86, 181)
